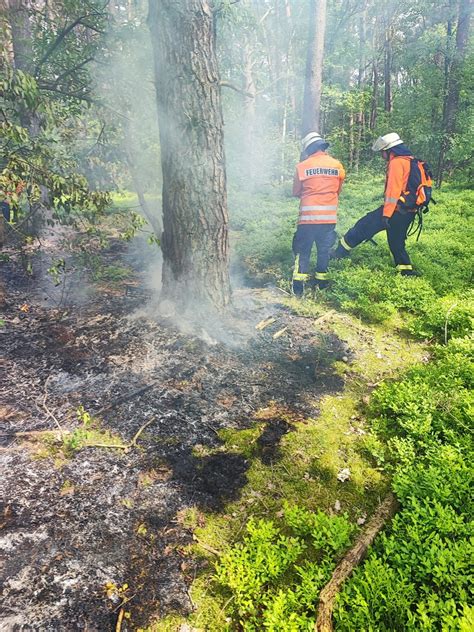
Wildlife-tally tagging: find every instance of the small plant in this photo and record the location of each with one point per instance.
(57, 270)
(276, 573)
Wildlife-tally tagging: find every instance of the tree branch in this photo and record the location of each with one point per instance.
(71, 70)
(353, 557)
(227, 84)
(62, 35)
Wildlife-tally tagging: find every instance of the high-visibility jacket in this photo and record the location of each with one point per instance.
(6, 195)
(398, 170)
(318, 182)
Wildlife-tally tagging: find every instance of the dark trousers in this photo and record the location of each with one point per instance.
(373, 223)
(5, 208)
(323, 235)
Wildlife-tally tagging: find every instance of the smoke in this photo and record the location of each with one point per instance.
(258, 154)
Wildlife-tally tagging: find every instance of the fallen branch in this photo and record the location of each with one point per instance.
(62, 435)
(125, 398)
(353, 557)
(279, 333)
(124, 446)
(50, 414)
(324, 316)
(206, 547)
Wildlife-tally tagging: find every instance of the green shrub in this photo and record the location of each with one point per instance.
(274, 576)
(419, 574)
(444, 318)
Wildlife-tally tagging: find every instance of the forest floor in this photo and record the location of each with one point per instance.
(220, 423)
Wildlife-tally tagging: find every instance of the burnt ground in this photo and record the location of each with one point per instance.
(71, 526)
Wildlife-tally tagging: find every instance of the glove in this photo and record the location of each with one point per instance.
(386, 222)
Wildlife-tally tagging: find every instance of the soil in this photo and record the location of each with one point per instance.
(75, 530)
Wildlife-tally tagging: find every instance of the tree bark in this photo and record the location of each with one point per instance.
(195, 221)
(387, 74)
(22, 37)
(375, 89)
(314, 67)
(454, 60)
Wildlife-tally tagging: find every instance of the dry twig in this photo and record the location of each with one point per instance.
(124, 446)
(49, 413)
(118, 627)
(352, 558)
(265, 322)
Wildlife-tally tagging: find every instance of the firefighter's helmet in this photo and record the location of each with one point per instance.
(311, 138)
(387, 142)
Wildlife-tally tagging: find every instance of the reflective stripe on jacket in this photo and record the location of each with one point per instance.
(398, 170)
(318, 181)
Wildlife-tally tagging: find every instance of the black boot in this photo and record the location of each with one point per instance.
(340, 252)
(298, 289)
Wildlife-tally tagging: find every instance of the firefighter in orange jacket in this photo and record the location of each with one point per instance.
(318, 182)
(390, 216)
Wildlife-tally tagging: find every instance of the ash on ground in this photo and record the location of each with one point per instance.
(81, 536)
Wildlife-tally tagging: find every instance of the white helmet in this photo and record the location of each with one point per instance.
(387, 142)
(312, 137)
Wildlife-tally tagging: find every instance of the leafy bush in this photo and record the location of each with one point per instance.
(447, 317)
(276, 573)
(419, 574)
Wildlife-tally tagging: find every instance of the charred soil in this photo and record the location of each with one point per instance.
(89, 531)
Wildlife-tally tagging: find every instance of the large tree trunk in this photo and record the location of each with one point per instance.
(195, 222)
(22, 37)
(314, 67)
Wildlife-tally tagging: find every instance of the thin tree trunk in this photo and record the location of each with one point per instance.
(152, 216)
(20, 27)
(361, 81)
(387, 74)
(314, 67)
(195, 221)
(375, 89)
(454, 60)
(351, 139)
(286, 93)
(19, 15)
(250, 92)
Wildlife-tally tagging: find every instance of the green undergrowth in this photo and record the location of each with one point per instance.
(436, 306)
(419, 574)
(402, 421)
(62, 445)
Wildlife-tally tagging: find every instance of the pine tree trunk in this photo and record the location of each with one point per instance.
(314, 67)
(388, 68)
(375, 88)
(195, 221)
(454, 60)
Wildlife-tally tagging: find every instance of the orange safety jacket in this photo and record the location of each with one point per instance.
(6, 195)
(398, 171)
(318, 182)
